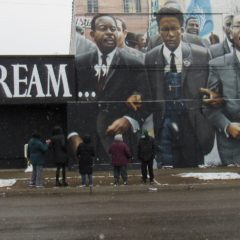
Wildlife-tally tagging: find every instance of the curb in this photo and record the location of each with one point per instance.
(165, 180)
(62, 191)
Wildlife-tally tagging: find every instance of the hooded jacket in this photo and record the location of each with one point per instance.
(36, 151)
(120, 153)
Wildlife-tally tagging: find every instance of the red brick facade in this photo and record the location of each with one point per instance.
(136, 22)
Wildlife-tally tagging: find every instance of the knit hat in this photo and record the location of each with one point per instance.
(118, 137)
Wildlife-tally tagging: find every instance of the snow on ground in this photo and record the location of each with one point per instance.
(211, 176)
(29, 168)
(7, 182)
(202, 176)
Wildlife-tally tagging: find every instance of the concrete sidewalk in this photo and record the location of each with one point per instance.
(165, 179)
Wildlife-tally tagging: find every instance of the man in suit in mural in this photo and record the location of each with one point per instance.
(192, 25)
(187, 36)
(176, 72)
(211, 97)
(226, 45)
(192, 28)
(224, 78)
(106, 78)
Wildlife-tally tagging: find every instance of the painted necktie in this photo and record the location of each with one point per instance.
(173, 67)
(103, 76)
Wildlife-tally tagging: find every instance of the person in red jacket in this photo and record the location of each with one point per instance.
(120, 154)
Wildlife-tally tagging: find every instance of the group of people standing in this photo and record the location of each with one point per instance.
(58, 152)
(119, 151)
(36, 152)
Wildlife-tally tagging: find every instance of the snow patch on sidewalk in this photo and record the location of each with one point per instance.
(211, 176)
(7, 182)
(29, 168)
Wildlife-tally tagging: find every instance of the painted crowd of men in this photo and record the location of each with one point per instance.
(190, 88)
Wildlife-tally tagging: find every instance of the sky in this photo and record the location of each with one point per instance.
(38, 27)
(35, 27)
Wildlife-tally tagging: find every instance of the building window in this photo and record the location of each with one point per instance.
(92, 6)
(132, 6)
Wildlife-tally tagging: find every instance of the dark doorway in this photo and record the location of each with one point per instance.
(17, 124)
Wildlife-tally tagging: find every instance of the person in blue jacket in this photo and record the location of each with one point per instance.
(36, 152)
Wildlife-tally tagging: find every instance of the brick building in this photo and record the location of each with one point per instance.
(134, 12)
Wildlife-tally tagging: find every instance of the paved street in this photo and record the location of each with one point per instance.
(189, 214)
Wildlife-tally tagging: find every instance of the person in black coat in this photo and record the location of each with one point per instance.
(59, 151)
(85, 154)
(146, 154)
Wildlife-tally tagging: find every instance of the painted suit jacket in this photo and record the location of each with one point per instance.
(225, 77)
(125, 77)
(194, 76)
(219, 49)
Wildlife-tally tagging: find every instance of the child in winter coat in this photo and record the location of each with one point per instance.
(85, 154)
(120, 157)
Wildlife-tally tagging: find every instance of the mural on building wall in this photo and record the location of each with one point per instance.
(120, 83)
(181, 86)
(184, 99)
